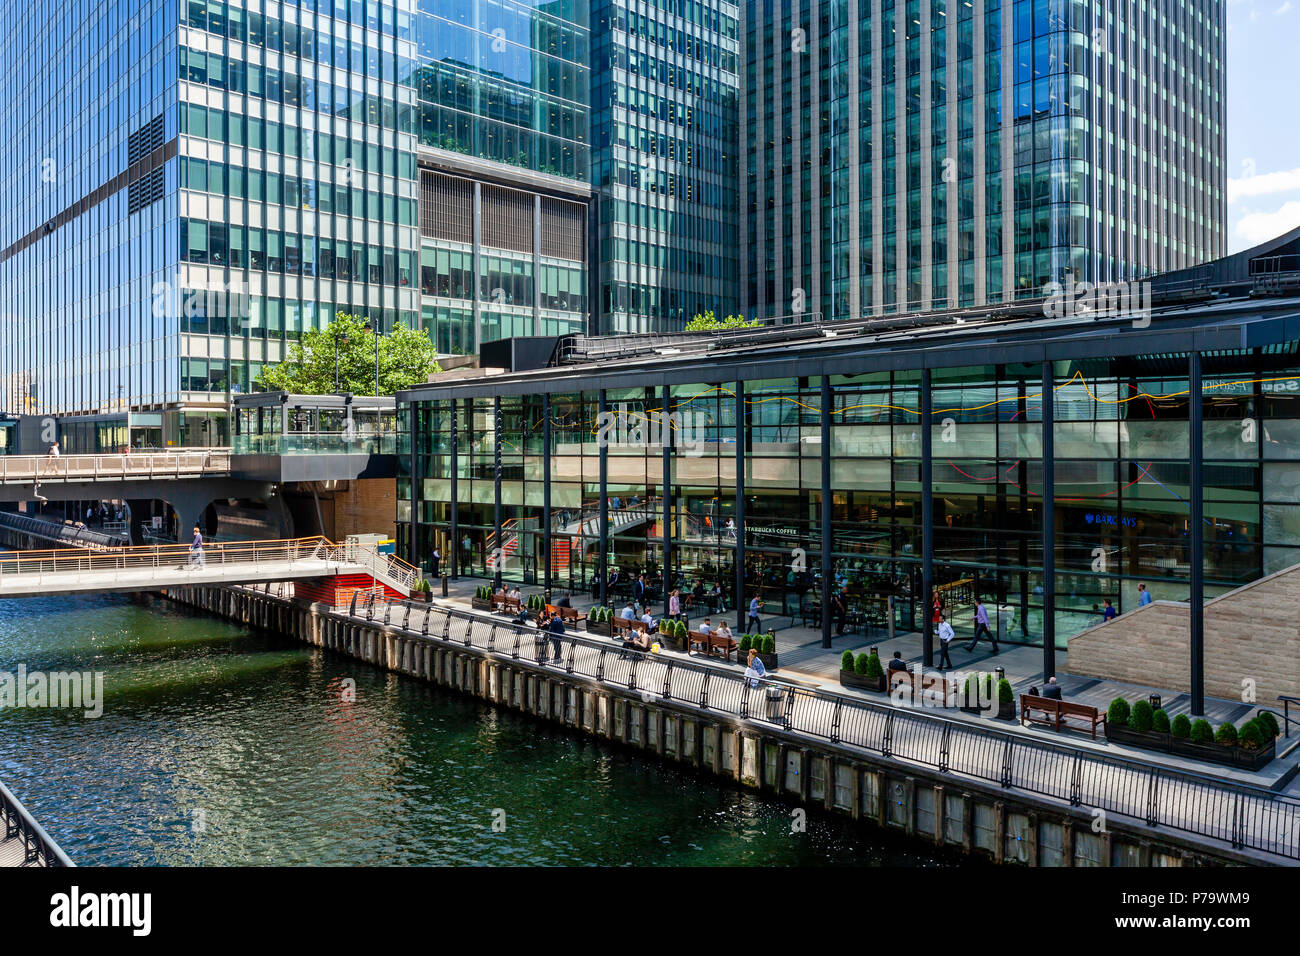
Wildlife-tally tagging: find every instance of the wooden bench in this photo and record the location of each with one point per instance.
(713, 641)
(1055, 713)
(930, 684)
(508, 605)
(622, 624)
(567, 614)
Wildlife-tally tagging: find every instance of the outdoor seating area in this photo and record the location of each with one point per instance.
(1057, 713)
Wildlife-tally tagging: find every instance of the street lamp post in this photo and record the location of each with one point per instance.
(375, 330)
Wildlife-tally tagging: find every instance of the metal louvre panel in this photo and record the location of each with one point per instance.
(446, 208)
(507, 219)
(563, 229)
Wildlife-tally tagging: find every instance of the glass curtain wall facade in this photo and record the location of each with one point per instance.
(906, 155)
(664, 120)
(251, 173)
(1121, 475)
(507, 81)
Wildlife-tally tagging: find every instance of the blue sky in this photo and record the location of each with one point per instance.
(1263, 120)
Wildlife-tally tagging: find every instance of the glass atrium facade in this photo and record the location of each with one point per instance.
(907, 155)
(1121, 473)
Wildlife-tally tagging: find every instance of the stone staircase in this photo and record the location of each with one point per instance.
(1252, 642)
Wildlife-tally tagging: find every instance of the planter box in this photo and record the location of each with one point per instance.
(769, 661)
(421, 597)
(602, 628)
(861, 681)
(480, 604)
(1007, 711)
(1238, 757)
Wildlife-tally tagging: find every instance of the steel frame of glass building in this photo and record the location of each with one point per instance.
(1173, 460)
(908, 155)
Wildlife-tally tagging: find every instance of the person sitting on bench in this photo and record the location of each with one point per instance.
(897, 663)
(1052, 690)
(564, 601)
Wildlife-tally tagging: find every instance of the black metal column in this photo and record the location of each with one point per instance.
(741, 432)
(927, 524)
(666, 443)
(1196, 535)
(602, 441)
(828, 573)
(498, 552)
(413, 519)
(454, 504)
(1048, 405)
(546, 494)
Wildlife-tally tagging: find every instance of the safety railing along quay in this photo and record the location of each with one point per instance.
(1241, 815)
(38, 848)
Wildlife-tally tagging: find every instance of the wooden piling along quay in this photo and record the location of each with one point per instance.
(1003, 823)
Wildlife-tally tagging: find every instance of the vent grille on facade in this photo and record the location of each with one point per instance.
(144, 140)
(507, 219)
(564, 233)
(145, 190)
(446, 208)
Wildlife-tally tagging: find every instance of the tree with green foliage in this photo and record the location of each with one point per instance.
(708, 322)
(406, 358)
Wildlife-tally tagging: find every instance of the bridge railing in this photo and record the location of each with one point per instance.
(39, 849)
(169, 464)
(288, 550)
(388, 568)
(1246, 817)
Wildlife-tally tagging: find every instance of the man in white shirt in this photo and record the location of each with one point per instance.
(945, 638)
(628, 614)
(649, 622)
(706, 627)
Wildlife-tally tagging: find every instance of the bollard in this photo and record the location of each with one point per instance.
(444, 585)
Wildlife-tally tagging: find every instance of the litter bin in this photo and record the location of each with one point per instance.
(775, 703)
(1006, 618)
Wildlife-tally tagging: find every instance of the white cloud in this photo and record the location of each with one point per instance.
(1256, 227)
(1284, 9)
(1266, 184)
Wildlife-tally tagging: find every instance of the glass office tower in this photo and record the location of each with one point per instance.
(664, 120)
(903, 155)
(195, 184)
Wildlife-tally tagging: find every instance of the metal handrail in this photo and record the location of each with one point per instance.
(38, 846)
(84, 467)
(60, 531)
(1262, 820)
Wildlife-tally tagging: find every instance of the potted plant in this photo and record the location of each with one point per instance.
(1006, 700)
(1139, 727)
(482, 599)
(600, 620)
(976, 692)
(742, 648)
(766, 644)
(421, 590)
(863, 671)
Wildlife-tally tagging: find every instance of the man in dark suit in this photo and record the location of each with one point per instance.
(563, 600)
(897, 663)
(1052, 689)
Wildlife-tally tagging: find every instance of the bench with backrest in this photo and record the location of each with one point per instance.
(567, 614)
(713, 641)
(933, 684)
(508, 605)
(622, 625)
(1057, 713)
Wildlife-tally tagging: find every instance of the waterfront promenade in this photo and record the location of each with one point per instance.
(805, 662)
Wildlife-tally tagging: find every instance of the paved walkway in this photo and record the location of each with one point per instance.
(1093, 775)
(803, 660)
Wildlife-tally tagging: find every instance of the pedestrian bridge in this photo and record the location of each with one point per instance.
(141, 466)
(149, 568)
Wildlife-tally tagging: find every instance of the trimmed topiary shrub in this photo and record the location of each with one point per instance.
(745, 644)
(1181, 727)
(1268, 723)
(1253, 734)
(1202, 732)
(768, 644)
(873, 667)
(1139, 717)
(860, 664)
(1160, 721)
(1226, 735)
(1117, 712)
(847, 662)
(1005, 694)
